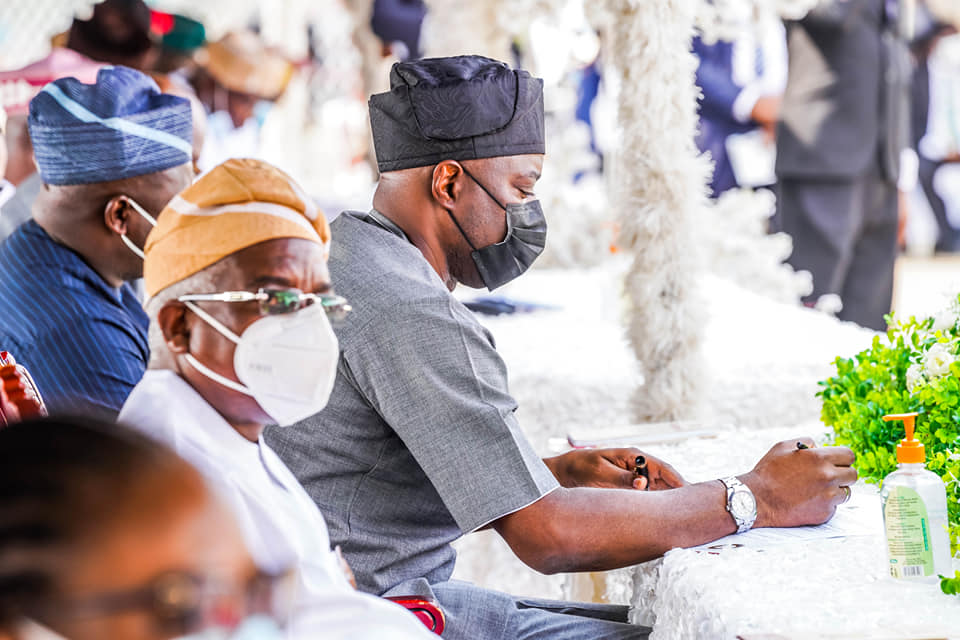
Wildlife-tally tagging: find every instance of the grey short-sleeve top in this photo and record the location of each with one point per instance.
(418, 443)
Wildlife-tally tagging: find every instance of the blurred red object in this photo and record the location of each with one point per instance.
(427, 611)
(19, 397)
(161, 23)
(18, 87)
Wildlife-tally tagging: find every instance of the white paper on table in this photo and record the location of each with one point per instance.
(859, 517)
(753, 158)
(644, 434)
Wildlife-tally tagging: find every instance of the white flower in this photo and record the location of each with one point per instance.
(946, 320)
(938, 359)
(914, 377)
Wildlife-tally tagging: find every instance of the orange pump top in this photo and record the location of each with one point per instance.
(910, 450)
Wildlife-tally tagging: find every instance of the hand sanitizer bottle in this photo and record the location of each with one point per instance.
(915, 512)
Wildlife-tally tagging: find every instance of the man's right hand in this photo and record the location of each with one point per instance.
(766, 112)
(795, 487)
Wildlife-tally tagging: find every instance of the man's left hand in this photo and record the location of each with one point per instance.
(612, 469)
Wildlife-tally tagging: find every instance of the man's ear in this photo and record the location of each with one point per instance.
(172, 319)
(116, 214)
(445, 186)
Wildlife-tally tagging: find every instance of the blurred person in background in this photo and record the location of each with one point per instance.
(238, 80)
(742, 83)
(117, 32)
(936, 126)
(239, 298)
(111, 155)
(840, 145)
(398, 24)
(108, 535)
(181, 38)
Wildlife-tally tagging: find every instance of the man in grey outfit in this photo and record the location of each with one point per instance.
(844, 123)
(420, 444)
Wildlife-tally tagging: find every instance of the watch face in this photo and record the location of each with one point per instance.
(742, 504)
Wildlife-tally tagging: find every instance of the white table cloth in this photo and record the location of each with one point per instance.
(836, 588)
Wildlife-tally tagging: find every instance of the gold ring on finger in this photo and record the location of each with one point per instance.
(847, 492)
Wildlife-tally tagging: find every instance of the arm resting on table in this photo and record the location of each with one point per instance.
(592, 529)
(585, 529)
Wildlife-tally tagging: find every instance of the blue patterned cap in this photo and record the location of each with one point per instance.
(120, 127)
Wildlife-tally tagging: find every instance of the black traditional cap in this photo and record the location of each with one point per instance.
(458, 108)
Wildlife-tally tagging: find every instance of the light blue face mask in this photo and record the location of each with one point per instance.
(261, 110)
(258, 627)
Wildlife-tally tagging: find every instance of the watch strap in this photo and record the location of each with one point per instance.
(733, 485)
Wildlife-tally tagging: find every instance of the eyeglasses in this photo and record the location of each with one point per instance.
(278, 301)
(184, 603)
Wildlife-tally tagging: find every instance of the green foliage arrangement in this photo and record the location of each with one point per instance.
(915, 367)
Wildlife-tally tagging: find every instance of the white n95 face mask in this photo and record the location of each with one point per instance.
(286, 362)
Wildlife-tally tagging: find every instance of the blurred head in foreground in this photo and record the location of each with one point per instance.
(106, 534)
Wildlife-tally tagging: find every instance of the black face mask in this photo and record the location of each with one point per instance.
(502, 262)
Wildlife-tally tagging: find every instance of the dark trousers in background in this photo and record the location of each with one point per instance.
(948, 238)
(844, 233)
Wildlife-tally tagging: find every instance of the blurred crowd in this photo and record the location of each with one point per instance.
(849, 114)
(232, 82)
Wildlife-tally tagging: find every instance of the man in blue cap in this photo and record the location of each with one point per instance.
(419, 443)
(111, 155)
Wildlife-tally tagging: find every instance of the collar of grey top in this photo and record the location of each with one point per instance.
(383, 221)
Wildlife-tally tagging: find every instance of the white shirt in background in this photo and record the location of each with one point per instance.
(942, 137)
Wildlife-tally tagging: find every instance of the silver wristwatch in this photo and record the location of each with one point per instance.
(740, 503)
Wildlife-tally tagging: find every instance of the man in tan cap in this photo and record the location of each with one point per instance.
(240, 306)
(239, 75)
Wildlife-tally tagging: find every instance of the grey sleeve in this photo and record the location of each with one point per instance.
(432, 373)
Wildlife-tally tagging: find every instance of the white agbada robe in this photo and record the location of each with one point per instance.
(281, 524)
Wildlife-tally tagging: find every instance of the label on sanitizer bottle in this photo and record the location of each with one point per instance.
(908, 534)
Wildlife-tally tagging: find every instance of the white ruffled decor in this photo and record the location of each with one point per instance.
(725, 19)
(946, 10)
(739, 249)
(658, 186)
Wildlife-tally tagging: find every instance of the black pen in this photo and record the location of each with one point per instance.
(640, 467)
